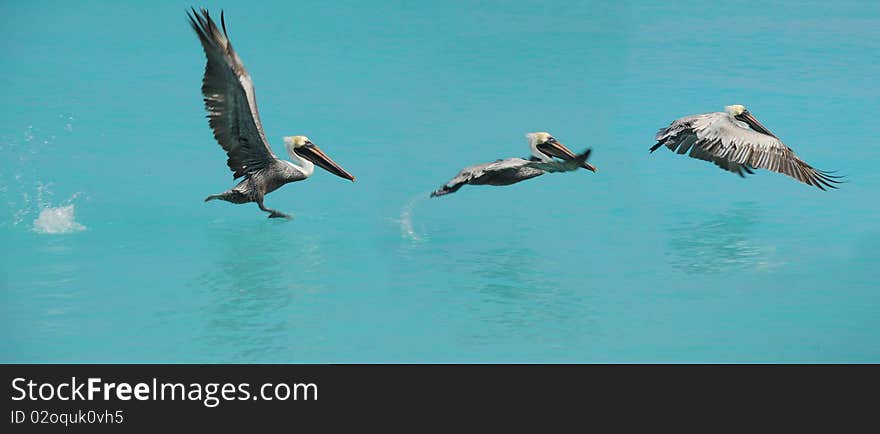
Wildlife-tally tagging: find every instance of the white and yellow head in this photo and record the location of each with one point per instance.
(538, 138)
(544, 147)
(742, 114)
(296, 141)
(301, 148)
(735, 110)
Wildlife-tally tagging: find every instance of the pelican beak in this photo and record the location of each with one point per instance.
(312, 153)
(747, 117)
(558, 150)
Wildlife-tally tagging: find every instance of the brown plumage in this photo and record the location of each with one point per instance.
(735, 141)
(229, 99)
(232, 114)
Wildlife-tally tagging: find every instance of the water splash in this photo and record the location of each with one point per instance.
(68, 121)
(407, 230)
(23, 191)
(57, 220)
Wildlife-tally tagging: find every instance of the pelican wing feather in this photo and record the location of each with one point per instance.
(229, 99)
(717, 138)
(478, 171)
(483, 173)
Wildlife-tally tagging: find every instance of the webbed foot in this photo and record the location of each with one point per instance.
(278, 214)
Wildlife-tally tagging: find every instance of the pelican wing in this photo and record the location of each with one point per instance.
(478, 174)
(715, 137)
(560, 166)
(229, 100)
(479, 170)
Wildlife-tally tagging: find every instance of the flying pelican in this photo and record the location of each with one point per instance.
(734, 140)
(232, 112)
(512, 170)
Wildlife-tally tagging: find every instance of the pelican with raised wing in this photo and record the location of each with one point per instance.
(735, 141)
(233, 117)
(544, 148)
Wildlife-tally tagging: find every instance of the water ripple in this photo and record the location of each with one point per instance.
(721, 242)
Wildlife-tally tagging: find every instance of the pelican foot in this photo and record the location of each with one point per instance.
(277, 214)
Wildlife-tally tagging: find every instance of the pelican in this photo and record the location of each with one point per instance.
(512, 170)
(735, 141)
(232, 112)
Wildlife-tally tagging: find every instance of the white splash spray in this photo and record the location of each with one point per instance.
(406, 218)
(23, 191)
(68, 122)
(57, 220)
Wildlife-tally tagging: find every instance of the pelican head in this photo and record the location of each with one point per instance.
(544, 147)
(735, 110)
(742, 114)
(302, 147)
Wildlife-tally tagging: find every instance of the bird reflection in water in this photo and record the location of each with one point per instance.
(254, 288)
(720, 243)
(522, 295)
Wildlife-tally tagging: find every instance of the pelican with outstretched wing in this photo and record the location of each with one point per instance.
(544, 148)
(735, 141)
(232, 112)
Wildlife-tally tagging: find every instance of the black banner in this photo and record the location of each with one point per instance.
(122, 398)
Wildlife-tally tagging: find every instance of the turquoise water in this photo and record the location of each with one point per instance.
(655, 258)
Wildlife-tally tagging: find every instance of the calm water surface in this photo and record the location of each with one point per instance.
(110, 255)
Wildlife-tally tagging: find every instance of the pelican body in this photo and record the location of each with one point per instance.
(233, 116)
(257, 184)
(737, 142)
(543, 147)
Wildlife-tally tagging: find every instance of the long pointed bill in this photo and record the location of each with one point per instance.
(558, 150)
(754, 124)
(315, 155)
